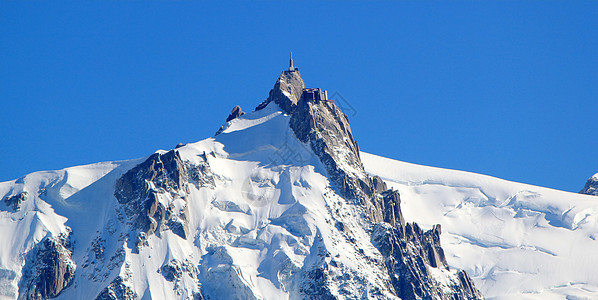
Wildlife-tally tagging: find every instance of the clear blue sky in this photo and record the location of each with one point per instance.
(506, 88)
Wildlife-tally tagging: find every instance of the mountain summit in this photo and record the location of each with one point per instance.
(282, 204)
(591, 187)
(277, 205)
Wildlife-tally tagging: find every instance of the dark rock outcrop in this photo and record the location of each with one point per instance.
(15, 201)
(140, 188)
(327, 130)
(591, 187)
(409, 254)
(391, 208)
(286, 92)
(49, 269)
(117, 290)
(316, 275)
(466, 288)
(235, 113)
(161, 176)
(175, 270)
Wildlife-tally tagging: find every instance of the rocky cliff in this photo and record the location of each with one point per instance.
(49, 268)
(591, 187)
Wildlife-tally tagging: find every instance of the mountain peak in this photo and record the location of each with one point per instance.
(286, 91)
(277, 205)
(591, 187)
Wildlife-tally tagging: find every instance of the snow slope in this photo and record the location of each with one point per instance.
(517, 241)
(267, 216)
(72, 197)
(266, 212)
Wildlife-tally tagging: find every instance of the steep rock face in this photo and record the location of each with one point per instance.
(48, 269)
(117, 290)
(286, 92)
(176, 270)
(410, 254)
(153, 198)
(235, 113)
(15, 201)
(323, 126)
(153, 194)
(591, 187)
(317, 274)
(391, 207)
(327, 130)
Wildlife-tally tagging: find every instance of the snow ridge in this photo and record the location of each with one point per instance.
(515, 240)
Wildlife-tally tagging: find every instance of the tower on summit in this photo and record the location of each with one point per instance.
(291, 67)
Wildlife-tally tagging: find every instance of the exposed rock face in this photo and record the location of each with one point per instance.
(175, 271)
(48, 270)
(327, 130)
(409, 252)
(162, 178)
(591, 187)
(235, 113)
(316, 275)
(286, 92)
(391, 208)
(466, 288)
(140, 188)
(15, 201)
(117, 290)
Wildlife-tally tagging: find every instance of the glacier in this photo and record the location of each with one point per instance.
(517, 241)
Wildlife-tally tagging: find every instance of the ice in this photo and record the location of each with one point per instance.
(515, 240)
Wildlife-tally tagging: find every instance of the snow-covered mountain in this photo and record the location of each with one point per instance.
(591, 187)
(281, 204)
(517, 241)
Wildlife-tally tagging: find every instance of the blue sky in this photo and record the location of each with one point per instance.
(507, 88)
